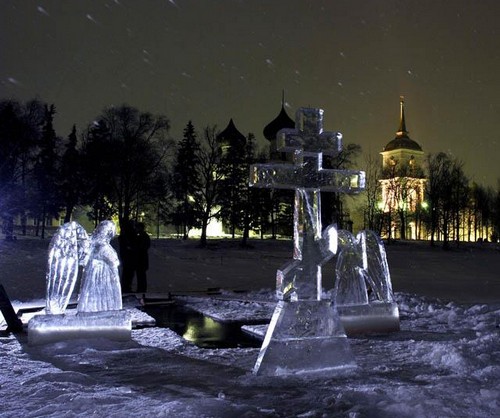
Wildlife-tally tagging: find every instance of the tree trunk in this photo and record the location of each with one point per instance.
(246, 231)
(43, 223)
(203, 238)
(69, 213)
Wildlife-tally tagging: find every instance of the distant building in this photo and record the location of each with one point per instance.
(282, 121)
(230, 136)
(402, 183)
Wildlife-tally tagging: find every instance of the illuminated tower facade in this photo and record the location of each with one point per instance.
(402, 183)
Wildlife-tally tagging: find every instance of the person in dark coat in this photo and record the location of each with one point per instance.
(127, 255)
(142, 244)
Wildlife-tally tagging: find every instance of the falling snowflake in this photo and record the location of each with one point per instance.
(12, 80)
(42, 11)
(89, 17)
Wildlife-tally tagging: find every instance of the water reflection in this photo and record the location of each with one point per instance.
(199, 329)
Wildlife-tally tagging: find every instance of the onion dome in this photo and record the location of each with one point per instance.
(402, 140)
(231, 136)
(280, 122)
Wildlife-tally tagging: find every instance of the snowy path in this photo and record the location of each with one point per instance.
(445, 362)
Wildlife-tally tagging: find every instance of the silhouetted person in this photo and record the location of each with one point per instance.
(142, 244)
(127, 255)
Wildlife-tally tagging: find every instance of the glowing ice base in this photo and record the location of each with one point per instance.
(113, 325)
(373, 318)
(304, 337)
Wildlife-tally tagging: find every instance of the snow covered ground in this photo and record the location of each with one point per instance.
(445, 361)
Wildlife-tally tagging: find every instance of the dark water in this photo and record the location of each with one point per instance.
(199, 329)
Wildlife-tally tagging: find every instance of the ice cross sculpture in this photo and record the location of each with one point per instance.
(300, 279)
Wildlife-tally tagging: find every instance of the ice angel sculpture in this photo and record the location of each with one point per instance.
(363, 290)
(378, 269)
(362, 271)
(99, 312)
(350, 286)
(101, 289)
(67, 251)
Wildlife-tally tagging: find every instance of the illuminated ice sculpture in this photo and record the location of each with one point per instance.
(305, 333)
(68, 250)
(99, 311)
(363, 290)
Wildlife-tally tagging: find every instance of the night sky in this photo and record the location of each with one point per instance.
(210, 60)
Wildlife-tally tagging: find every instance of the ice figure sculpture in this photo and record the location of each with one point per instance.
(101, 289)
(305, 333)
(351, 272)
(378, 269)
(99, 307)
(67, 251)
(363, 290)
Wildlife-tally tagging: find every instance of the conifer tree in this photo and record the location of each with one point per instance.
(71, 185)
(186, 180)
(10, 131)
(47, 201)
(232, 197)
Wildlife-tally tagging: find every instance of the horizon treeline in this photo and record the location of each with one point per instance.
(125, 165)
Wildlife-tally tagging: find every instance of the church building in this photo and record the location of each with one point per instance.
(402, 183)
(282, 121)
(230, 137)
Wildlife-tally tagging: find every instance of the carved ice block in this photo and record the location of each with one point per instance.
(304, 337)
(113, 325)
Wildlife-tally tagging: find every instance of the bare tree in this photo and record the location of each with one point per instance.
(210, 175)
(482, 200)
(130, 149)
(445, 181)
(371, 211)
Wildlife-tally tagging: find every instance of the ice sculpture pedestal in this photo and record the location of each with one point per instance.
(113, 325)
(304, 337)
(373, 318)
